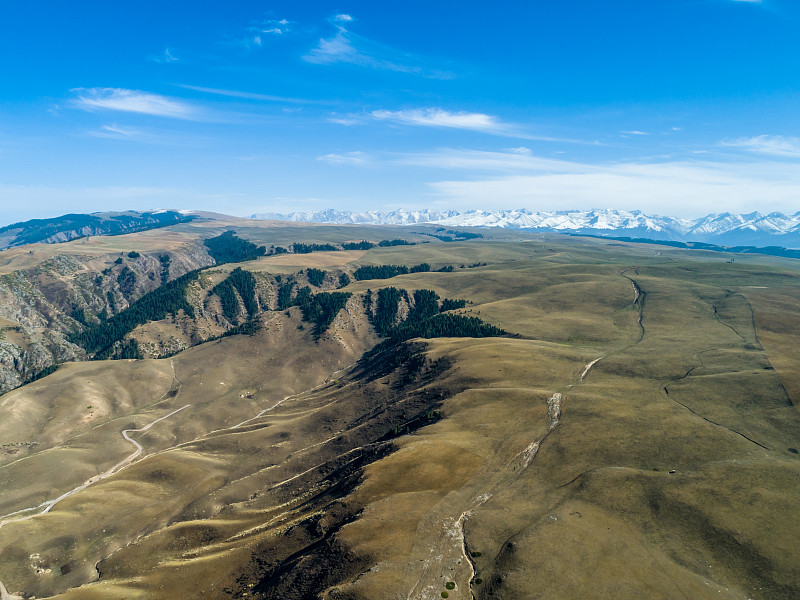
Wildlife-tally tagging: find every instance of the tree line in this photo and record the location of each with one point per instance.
(322, 308)
(228, 247)
(426, 318)
(242, 282)
(315, 276)
(368, 272)
(154, 306)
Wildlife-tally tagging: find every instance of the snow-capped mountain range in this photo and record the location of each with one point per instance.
(372, 217)
(775, 229)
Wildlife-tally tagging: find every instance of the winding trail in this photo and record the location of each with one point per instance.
(453, 533)
(48, 505)
(450, 547)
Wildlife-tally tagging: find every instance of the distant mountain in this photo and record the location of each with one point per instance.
(69, 227)
(372, 217)
(723, 228)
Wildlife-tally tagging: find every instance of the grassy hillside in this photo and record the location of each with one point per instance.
(635, 435)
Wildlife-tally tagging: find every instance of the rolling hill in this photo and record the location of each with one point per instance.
(530, 416)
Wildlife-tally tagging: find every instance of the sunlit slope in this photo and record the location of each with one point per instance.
(670, 472)
(212, 386)
(516, 467)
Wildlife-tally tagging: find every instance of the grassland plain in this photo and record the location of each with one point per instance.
(637, 438)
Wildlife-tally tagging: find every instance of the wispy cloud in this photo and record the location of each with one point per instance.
(349, 48)
(273, 27)
(634, 132)
(348, 158)
(135, 101)
(511, 160)
(125, 133)
(436, 117)
(472, 121)
(166, 57)
(684, 186)
(251, 95)
(776, 145)
(347, 120)
(117, 132)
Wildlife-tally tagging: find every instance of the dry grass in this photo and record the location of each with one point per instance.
(668, 474)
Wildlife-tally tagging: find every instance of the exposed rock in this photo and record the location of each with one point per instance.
(41, 306)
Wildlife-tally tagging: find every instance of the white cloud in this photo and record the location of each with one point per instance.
(337, 49)
(349, 158)
(676, 187)
(776, 145)
(251, 95)
(436, 117)
(634, 132)
(349, 48)
(122, 130)
(115, 131)
(274, 27)
(166, 57)
(271, 27)
(132, 101)
(478, 160)
(344, 120)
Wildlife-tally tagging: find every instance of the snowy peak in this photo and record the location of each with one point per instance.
(726, 228)
(374, 217)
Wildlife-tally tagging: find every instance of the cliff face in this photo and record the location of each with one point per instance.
(41, 306)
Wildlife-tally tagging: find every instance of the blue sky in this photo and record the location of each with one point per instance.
(676, 107)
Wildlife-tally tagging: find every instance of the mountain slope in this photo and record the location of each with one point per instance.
(71, 226)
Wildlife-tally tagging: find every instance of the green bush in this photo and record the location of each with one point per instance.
(315, 276)
(450, 585)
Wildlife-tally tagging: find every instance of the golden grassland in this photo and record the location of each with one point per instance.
(665, 470)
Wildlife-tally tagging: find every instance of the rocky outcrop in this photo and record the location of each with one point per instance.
(41, 306)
